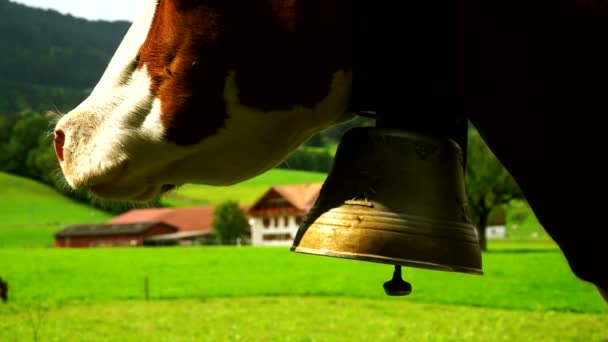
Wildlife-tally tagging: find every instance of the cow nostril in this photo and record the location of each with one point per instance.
(59, 141)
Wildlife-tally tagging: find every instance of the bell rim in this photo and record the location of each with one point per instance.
(399, 133)
(388, 260)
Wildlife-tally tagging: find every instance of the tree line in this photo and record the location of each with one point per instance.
(40, 49)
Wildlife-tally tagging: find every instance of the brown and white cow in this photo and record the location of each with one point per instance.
(216, 92)
(181, 100)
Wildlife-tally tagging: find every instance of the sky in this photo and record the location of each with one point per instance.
(90, 9)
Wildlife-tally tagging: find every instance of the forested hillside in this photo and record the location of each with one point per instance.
(50, 61)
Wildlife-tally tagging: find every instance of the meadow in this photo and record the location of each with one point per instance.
(221, 293)
(265, 293)
(31, 212)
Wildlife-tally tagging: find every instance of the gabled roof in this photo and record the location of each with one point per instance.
(105, 229)
(299, 197)
(184, 219)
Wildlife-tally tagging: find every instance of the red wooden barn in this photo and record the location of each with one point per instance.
(136, 227)
(110, 234)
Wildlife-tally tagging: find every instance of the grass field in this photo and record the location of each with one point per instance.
(522, 224)
(30, 212)
(245, 193)
(527, 292)
(530, 278)
(293, 319)
(271, 294)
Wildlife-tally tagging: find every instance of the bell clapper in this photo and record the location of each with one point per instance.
(397, 286)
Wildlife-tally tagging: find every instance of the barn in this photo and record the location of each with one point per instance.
(110, 234)
(275, 217)
(144, 227)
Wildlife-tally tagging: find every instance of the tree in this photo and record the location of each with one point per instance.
(25, 137)
(229, 223)
(488, 184)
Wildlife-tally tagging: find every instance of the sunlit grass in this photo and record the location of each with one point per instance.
(28, 237)
(514, 279)
(288, 318)
(522, 224)
(31, 212)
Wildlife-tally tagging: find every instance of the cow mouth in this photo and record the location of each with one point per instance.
(105, 191)
(145, 194)
(167, 187)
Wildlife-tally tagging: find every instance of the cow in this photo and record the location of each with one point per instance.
(217, 92)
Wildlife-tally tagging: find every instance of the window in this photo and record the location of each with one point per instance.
(266, 221)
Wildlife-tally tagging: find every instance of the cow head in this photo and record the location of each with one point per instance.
(208, 92)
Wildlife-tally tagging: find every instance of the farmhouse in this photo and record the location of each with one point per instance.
(136, 227)
(274, 218)
(496, 232)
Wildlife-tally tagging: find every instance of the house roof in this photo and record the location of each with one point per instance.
(197, 218)
(184, 219)
(105, 229)
(300, 197)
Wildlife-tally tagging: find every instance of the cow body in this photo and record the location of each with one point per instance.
(217, 92)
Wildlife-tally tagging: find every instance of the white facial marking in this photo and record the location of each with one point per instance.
(126, 53)
(99, 129)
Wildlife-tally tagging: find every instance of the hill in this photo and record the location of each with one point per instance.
(245, 193)
(51, 60)
(30, 212)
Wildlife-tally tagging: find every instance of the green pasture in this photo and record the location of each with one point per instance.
(218, 293)
(31, 212)
(522, 224)
(271, 294)
(24, 202)
(245, 193)
(298, 319)
(527, 278)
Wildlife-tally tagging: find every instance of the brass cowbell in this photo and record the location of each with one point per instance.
(395, 197)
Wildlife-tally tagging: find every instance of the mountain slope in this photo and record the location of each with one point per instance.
(45, 53)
